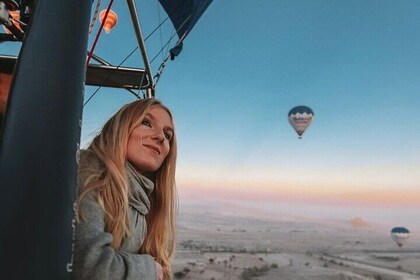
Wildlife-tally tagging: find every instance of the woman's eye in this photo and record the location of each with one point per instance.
(146, 122)
(168, 136)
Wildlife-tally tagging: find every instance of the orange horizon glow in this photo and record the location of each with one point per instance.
(352, 186)
(327, 195)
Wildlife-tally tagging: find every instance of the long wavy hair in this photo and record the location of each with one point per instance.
(111, 186)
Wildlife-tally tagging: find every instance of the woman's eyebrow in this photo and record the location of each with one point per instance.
(167, 128)
(148, 115)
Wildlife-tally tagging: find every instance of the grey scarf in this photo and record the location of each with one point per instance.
(140, 189)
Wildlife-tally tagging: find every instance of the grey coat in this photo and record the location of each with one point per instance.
(94, 258)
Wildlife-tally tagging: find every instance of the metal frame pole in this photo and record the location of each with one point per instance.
(150, 93)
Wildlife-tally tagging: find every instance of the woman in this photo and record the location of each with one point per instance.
(126, 197)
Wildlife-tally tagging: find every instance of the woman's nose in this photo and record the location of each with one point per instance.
(159, 136)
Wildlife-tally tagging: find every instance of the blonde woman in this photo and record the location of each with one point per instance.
(126, 197)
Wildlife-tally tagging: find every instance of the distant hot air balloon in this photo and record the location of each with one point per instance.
(300, 117)
(110, 21)
(400, 235)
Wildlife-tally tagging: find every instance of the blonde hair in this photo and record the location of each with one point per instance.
(112, 188)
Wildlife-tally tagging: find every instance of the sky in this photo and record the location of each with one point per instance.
(247, 63)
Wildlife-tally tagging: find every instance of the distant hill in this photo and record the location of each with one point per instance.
(358, 223)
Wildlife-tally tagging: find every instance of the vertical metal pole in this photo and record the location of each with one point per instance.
(137, 29)
(38, 167)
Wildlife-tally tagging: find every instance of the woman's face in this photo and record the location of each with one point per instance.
(148, 144)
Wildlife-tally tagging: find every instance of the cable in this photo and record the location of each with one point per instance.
(160, 33)
(99, 32)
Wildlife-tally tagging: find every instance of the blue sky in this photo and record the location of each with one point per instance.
(247, 63)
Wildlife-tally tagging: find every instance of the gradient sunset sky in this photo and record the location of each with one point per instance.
(247, 63)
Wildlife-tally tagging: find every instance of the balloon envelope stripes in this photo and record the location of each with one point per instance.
(400, 235)
(300, 117)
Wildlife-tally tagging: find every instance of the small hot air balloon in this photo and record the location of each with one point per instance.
(400, 235)
(110, 21)
(300, 117)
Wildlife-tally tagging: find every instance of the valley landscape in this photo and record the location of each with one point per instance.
(225, 241)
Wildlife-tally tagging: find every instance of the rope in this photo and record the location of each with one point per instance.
(95, 15)
(160, 30)
(99, 32)
(161, 50)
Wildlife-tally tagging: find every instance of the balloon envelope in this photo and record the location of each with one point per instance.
(110, 21)
(400, 235)
(300, 117)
